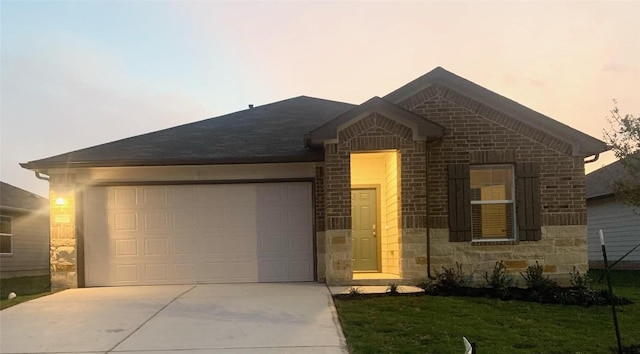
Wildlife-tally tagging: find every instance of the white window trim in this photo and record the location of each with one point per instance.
(10, 235)
(514, 232)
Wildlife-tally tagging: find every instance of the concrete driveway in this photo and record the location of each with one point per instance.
(212, 318)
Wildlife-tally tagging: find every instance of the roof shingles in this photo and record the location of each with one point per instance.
(270, 133)
(16, 198)
(276, 132)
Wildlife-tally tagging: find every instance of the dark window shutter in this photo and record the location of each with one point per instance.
(528, 201)
(459, 203)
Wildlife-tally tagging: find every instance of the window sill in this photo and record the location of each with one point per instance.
(494, 242)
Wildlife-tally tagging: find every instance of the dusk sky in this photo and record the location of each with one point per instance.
(77, 74)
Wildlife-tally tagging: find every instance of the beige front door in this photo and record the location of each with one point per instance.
(364, 230)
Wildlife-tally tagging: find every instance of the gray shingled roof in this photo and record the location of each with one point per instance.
(599, 183)
(270, 133)
(583, 144)
(12, 197)
(275, 132)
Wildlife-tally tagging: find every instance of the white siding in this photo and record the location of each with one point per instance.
(621, 227)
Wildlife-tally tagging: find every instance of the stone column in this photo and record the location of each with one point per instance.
(338, 257)
(63, 245)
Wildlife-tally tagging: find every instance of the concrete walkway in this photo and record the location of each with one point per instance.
(376, 289)
(195, 319)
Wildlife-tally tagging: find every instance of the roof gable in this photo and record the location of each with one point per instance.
(422, 128)
(582, 144)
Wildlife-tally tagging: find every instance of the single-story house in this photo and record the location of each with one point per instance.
(438, 172)
(619, 222)
(24, 233)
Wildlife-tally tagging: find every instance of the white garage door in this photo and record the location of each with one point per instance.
(142, 235)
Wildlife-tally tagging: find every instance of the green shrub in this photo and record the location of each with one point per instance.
(499, 279)
(580, 280)
(450, 279)
(393, 289)
(427, 285)
(542, 288)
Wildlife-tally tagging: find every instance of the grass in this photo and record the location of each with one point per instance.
(27, 288)
(434, 324)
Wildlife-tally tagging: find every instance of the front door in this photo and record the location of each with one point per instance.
(364, 230)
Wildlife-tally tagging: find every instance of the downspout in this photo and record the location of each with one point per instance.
(40, 176)
(594, 159)
(426, 175)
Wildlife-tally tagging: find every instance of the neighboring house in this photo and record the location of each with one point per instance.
(24, 233)
(440, 171)
(619, 222)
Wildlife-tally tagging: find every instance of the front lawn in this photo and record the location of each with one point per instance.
(435, 324)
(27, 288)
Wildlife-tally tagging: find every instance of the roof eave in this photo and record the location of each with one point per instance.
(316, 156)
(6, 208)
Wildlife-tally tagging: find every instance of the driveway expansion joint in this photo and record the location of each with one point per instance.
(150, 318)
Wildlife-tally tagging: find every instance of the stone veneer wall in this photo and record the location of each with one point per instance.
(63, 245)
(561, 248)
(477, 134)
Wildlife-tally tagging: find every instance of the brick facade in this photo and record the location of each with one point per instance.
(475, 134)
(483, 139)
(374, 133)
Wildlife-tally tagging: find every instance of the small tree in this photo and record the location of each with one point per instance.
(624, 139)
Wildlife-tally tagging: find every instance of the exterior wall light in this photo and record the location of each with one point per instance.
(60, 201)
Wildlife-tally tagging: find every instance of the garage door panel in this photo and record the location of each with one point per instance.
(297, 221)
(155, 247)
(210, 218)
(125, 221)
(242, 217)
(156, 272)
(212, 271)
(271, 271)
(298, 243)
(183, 219)
(143, 235)
(155, 197)
(229, 272)
(297, 194)
(270, 218)
(126, 247)
(299, 269)
(185, 272)
(272, 244)
(126, 273)
(155, 221)
(122, 197)
(180, 196)
(184, 247)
